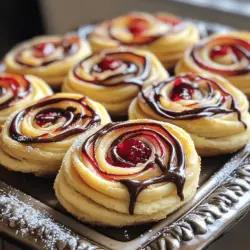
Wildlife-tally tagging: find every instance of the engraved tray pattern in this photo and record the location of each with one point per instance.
(219, 203)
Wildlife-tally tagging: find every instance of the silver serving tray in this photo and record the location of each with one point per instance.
(31, 215)
(222, 199)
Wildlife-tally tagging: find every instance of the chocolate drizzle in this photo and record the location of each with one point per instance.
(69, 45)
(240, 48)
(131, 76)
(75, 123)
(151, 96)
(172, 171)
(19, 86)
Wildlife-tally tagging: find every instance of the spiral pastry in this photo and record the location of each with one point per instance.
(17, 91)
(227, 55)
(49, 57)
(165, 35)
(128, 173)
(114, 77)
(208, 107)
(35, 139)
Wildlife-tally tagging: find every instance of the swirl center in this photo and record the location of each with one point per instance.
(49, 117)
(182, 90)
(134, 151)
(44, 49)
(223, 54)
(47, 51)
(129, 152)
(137, 26)
(108, 63)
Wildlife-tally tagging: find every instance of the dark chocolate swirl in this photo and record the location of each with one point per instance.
(147, 143)
(213, 98)
(64, 117)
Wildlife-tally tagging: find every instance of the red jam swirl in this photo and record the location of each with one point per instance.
(136, 73)
(17, 84)
(73, 122)
(43, 51)
(152, 98)
(126, 151)
(223, 46)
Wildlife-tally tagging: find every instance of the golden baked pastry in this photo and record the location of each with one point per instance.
(208, 107)
(35, 139)
(128, 173)
(17, 91)
(223, 54)
(49, 57)
(165, 35)
(114, 77)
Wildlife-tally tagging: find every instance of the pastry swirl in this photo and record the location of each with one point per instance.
(114, 77)
(165, 35)
(128, 173)
(227, 55)
(208, 107)
(49, 57)
(17, 91)
(35, 139)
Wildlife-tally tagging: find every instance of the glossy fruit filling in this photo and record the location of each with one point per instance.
(182, 90)
(109, 63)
(44, 49)
(128, 153)
(220, 51)
(134, 151)
(47, 118)
(137, 26)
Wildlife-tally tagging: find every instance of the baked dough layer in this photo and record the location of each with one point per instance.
(165, 35)
(50, 63)
(18, 91)
(215, 133)
(96, 199)
(115, 88)
(28, 147)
